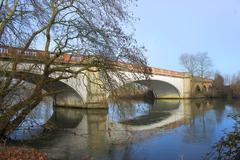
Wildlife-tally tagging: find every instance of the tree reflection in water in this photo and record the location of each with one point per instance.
(32, 125)
(199, 128)
(122, 110)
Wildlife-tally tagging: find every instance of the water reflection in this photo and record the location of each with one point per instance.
(124, 110)
(32, 125)
(201, 127)
(66, 118)
(166, 129)
(159, 111)
(97, 131)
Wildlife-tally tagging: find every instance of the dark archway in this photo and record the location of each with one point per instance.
(198, 89)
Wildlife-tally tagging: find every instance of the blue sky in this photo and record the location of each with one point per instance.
(168, 28)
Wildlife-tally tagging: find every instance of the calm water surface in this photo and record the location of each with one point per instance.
(163, 129)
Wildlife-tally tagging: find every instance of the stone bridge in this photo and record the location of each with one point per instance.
(79, 91)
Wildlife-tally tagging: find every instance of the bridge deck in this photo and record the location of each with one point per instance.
(38, 55)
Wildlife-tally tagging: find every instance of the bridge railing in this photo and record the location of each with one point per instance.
(8, 52)
(11, 51)
(5, 50)
(159, 71)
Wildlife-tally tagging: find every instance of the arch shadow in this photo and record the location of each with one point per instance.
(159, 89)
(63, 94)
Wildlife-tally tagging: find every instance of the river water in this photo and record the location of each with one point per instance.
(160, 129)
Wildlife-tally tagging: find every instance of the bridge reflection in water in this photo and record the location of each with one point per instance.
(137, 129)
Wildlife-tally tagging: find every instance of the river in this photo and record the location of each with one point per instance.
(160, 129)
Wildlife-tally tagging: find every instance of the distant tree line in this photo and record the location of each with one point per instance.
(201, 65)
(227, 86)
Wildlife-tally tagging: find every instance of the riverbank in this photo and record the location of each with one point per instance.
(10, 152)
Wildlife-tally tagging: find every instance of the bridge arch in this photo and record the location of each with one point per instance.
(198, 89)
(65, 94)
(160, 89)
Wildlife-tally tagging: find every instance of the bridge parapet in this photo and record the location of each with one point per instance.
(158, 71)
(5, 50)
(33, 54)
(8, 52)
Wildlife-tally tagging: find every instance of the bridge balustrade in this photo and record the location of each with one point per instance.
(3, 50)
(167, 72)
(37, 54)
(7, 52)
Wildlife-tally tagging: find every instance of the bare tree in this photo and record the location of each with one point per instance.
(204, 65)
(218, 81)
(189, 62)
(218, 85)
(197, 64)
(227, 79)
(235, 85)
(90, 30)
